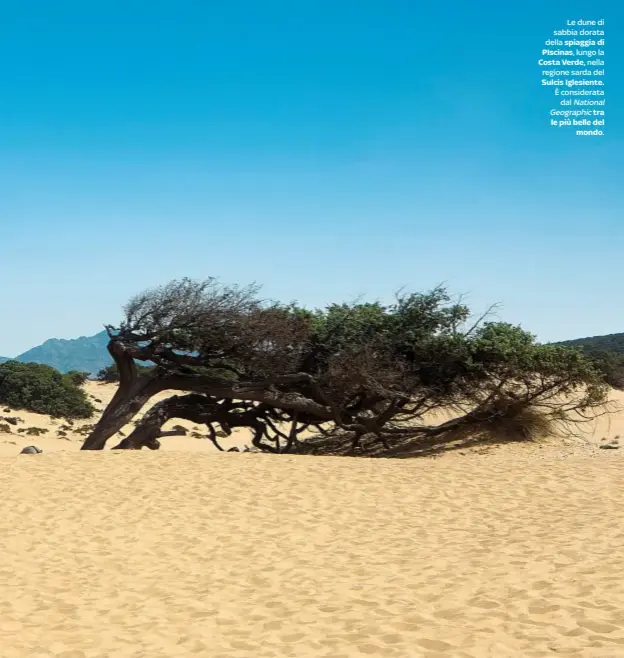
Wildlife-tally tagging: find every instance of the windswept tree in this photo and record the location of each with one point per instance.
(368, 373)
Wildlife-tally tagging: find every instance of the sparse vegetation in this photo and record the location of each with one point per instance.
(12, 420)
(35, 431)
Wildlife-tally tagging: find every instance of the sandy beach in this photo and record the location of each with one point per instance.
(514, 550)
(373, 249)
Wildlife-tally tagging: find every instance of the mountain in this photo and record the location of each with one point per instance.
(4, 358)
(85, 354)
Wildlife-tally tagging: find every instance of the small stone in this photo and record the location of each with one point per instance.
(31, 450)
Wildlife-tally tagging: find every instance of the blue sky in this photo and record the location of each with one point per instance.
(326, 150)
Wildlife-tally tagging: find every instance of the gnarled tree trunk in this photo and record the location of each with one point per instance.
(136, 390)
(199, 409)
(133, 392)
(149, 429)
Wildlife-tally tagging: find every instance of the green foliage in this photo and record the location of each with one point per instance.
(607, 354)
(77, 378)
(42, 389)
(611, 364)
(420, 347)
(427, 339)
(410, 320)
(108, 374)
(505, 348)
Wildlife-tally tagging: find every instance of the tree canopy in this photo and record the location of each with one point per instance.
(371, 372)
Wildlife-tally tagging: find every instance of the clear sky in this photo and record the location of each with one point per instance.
(326, 149)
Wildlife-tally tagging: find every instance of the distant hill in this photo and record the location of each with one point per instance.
(85, 354)
(607, 352)
(4, 358)
(596, 344)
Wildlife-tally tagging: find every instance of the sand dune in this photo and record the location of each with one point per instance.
(148, 554)
(196, 440)
(490, 553)
(100, 395)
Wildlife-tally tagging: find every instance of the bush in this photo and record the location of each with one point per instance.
(110, 374)
(76, 377)
(42, 389)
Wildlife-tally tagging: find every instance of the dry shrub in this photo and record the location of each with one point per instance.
(528, 423)
(508, 424)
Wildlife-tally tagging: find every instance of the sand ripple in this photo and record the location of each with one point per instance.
(234, 555)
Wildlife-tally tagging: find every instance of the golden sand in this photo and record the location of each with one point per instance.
(512, 551)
